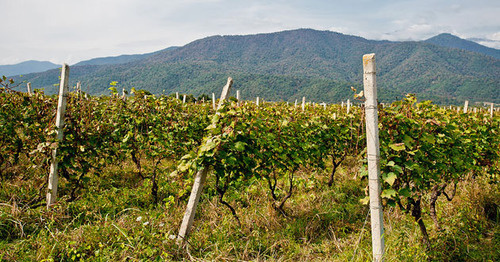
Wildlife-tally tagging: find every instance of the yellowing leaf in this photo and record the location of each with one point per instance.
(398, 146)
(388, 193)
(365, 200)
(390, 178)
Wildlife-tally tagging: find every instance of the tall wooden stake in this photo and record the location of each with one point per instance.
(466, 106)
(303, 103)
(373, 152)
(61, 109)
(348, 106)
(491, 110)
(29, 88)
(238, 97)
(79, 89)
(213, 101)
(199, 181)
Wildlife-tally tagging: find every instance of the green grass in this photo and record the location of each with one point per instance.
(113, 219)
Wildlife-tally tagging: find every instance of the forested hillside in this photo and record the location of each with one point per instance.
(320, 65)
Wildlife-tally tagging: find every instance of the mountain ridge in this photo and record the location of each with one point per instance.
(449, 40)
(320, 65)
(121, 59)
(26, 67)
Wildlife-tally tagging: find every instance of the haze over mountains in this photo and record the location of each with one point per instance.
(320, 65)
(26, 67)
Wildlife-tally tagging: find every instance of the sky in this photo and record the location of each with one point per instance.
(69, 31)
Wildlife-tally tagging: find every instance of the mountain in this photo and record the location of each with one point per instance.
(449, 40)
(27, 67)
(320, 65)
(122, 59)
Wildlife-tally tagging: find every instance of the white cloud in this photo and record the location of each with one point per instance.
(495, 36)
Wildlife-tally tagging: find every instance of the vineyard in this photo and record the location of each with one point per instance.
(284, 183)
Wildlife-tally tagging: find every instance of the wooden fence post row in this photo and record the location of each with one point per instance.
(61, 109)
(373, 152)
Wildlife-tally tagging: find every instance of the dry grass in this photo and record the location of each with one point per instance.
(114, 220)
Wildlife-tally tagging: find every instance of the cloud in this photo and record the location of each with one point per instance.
(495, 36)
(57, 30)
(492, 40)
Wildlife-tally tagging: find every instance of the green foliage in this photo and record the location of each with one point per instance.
(425, 148)
(118, 158)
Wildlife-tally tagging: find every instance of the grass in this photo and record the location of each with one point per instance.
(113, 219)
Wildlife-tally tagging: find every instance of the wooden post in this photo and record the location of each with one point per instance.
(29, 88)
(466, 106)
(257, 101)
(373, 152)
(296, 102)
(184, 99)
(61, 109)
(199, 181)
(342, 105)
(303, 103)
(348, 106)
(225, 92)
(177, 95)
(238, 97)
(213, 101)
(79, 89)
(491, 110)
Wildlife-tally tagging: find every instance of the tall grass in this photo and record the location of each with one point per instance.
(113, 220)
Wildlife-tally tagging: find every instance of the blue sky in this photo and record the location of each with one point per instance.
(74, 30)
